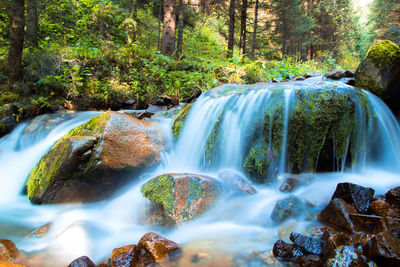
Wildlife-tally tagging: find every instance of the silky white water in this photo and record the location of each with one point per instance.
(237, 223)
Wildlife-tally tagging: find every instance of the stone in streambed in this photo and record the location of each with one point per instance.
(287, 208)
(8, 250)
(286, 251)
(236, 181)
(83, 261)
(384, 249)
(358, 195)
(348, 256)
(183, 196)
(309, 245)
(95, 159)
(123, 257)
(393, 197)
(309, 261)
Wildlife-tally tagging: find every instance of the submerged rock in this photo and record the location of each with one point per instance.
(95, 159)
(289, 207)
(183, 196)
(379, 73)
(83, 261)
(236, 181)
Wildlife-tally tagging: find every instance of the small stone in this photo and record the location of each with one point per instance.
(312, 74)
(41, 231)
(154, 248)
(358, 195)
(123, 256)
(309, 245)
(286, 251)
(337, 215)
(393, 197)
(291, 184)
(83, 261)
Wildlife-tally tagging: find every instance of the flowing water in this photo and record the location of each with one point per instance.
(237, 225)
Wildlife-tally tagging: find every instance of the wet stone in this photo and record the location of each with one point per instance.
(123, 257)
(155, 248)
(333, 241)
(393, 197)
(309, 261)
(236, 181)
(286, 251)
(384, 249)
(309, 245)
(347, 256)
(312, 74)
(83, 261)
(384, 209)
(358, 195)
(337, 215)
(291, 184)
(289, 207)
(8, 250)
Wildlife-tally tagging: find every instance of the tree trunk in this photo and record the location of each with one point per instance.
(231, 37)
(168, 36)
(243, 19)
(253, 46)
(134, 17)
(17, 41)
(32, 23)
(159, 24)
(180, 29)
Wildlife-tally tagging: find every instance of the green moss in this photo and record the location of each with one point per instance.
(93, 127)
(212, 145)
(383, 54)
(180, 120)
(49, 167)
(160, 189)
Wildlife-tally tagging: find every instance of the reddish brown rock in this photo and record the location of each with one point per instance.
(358, 195)
(8, 250)
(393, 197)
(10, 264)
(83, 261)
(286, 251)
(384, 249)
(383, 209)
(333, 241)
(123, 257)
(41, 231)
(309, 261)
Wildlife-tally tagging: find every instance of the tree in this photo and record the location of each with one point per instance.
(32, 23)
(180, 29)
(134, 17)
(168, 35)
(253, 46)
(383, 14)
(231, 37)
(17, 41)
(243, 20)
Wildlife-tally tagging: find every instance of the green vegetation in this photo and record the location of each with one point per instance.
(160, 190)
(180, 119)
(383, 54)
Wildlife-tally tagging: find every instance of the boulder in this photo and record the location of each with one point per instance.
(180, 120)
(336, 74)
(151, 249)
(183, 196)
(95, 159)
(8, 250)
(83, 261)
(379, 73)
(360, 196)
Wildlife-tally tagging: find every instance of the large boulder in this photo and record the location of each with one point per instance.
(95, 159)
(183, 196)
(379, 73)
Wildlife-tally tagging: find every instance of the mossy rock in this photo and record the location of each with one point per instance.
(180, 120)
(95, 159)
(183, 196)
(379, 73)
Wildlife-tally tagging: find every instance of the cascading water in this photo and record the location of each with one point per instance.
(263, 131)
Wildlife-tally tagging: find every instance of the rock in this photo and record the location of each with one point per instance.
(312, 74)
(336, 74)
(179, 120)
(379, 73)
(309, 245)
(309, 261)
(337, 215)
(334, 241)
(40, 232)
(384, 249)
(299, 78)
(8, 250)
(289, 207)
(155, 109)
(83, 261)
(393, 197)
(349, 74)
(347, 256)
(8, 120)
(183, 196)
(10, 264)
(123, 257)
(236, 181)
(196, 94)
(95, 159)
(292, 183)
(360, 196)
(291, 76)
(286, 251)
(163, 101)
(384, 209)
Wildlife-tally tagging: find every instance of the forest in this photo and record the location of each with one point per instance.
(199, 133)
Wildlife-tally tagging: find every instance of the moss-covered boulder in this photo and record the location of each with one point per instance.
(182, 196)
(379, 73)
(95, 159)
